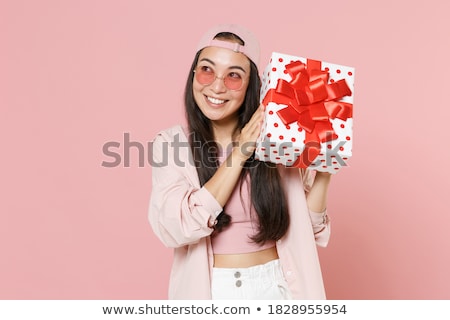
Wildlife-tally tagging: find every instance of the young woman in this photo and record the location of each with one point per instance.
(240, 228)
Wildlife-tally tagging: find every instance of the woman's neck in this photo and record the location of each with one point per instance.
(224, 133)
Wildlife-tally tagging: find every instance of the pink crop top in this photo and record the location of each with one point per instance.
(235, 238)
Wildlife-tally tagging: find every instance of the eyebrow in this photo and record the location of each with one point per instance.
(231, 67)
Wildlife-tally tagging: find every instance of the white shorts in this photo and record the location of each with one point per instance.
(261, 282)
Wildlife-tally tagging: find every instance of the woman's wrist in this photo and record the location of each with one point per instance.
(240, 154)
(325, 176)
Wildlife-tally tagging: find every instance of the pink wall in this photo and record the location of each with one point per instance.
(75, 75)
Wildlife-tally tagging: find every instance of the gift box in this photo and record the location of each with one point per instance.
(308, 115)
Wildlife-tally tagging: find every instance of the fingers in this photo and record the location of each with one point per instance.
(253, 127)
(259, 113)
(251, 131)
(258, 117)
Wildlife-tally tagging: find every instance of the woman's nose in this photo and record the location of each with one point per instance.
(218, 85)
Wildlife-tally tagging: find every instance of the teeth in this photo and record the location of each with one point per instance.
(215, 101)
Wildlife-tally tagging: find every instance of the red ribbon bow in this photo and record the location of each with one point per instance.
(312, 102)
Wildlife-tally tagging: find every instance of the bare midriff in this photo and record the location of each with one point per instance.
(245, 260)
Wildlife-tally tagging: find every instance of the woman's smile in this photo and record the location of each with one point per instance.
(215, 102)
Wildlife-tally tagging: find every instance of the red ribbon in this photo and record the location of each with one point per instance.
(312, 102)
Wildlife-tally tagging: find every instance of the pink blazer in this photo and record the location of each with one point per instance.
(181, 214)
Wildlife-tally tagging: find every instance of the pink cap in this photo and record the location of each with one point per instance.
(250, 49)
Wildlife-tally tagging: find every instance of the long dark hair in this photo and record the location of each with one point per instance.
(267, 193)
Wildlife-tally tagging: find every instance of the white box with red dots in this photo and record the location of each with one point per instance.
(323, 121)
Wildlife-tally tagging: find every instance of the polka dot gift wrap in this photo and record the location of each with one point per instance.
(309, 113)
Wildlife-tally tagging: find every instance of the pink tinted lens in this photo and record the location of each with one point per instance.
(206, 77)
(233, 83)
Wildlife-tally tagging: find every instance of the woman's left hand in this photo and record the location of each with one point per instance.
(317, 196)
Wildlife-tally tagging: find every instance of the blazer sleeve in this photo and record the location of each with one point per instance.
(321, 227)
(180, 211)
(320, 220)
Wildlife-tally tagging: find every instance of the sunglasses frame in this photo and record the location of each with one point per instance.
(243, 81)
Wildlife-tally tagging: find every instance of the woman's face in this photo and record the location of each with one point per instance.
(217, 102)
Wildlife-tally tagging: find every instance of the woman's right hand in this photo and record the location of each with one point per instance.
(223, 182)
(247, 138)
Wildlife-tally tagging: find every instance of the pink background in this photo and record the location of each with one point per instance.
(75, 75)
